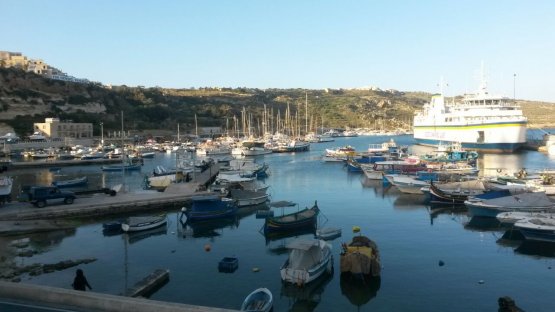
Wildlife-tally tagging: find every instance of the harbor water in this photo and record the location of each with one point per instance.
(433, 259)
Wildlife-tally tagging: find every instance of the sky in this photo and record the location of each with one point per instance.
(313, 44)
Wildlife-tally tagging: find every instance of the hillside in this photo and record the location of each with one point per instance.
(26, 98)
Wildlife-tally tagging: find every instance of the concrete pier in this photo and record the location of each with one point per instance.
(153, 281)
(69, 299)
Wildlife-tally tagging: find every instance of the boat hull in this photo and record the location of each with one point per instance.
(144, 226)
(498, 137)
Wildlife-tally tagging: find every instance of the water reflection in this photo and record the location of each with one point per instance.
(409, 201)
(484, 224)
(495, 164)
(209, 229)
(307, 297)
(282, 236)
(537, 249)
(47, 240)
(380, 189)
(359, 291)
(456, 212)
(134, 237)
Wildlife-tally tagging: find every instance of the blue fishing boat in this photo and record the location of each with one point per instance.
(206, 207)
(71, 182)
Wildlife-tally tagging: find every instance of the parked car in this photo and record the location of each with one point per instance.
(41, 196)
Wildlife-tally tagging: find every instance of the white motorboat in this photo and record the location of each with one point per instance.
(308, 259)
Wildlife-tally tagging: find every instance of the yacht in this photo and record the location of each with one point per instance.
(480, 121)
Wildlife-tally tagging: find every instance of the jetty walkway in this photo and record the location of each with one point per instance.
(96, 205)
(73, 300)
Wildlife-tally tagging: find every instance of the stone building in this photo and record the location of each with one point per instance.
(54, 128)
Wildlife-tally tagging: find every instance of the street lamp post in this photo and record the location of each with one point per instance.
(102, 134)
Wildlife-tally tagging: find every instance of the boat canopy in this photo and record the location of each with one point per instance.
(305, 254)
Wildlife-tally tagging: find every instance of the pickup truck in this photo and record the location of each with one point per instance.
(40, 196)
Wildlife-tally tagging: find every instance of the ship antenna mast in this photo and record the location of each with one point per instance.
(483, 80)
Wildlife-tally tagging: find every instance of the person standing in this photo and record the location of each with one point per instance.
(80, 281)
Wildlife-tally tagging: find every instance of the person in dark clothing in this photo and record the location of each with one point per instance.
(80, 281)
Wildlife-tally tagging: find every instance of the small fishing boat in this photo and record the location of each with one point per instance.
(260, 300)
(82, 181)
(479, 206)
(120, 167)
(455, 195)
(134, 224)
(537, 228)
(306, 218)
(328, 233)
(248, 198)
(360, 257)
(308, 259)
(207, 207)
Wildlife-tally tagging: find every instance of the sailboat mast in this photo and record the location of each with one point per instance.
(196, 126)
(306, 112)
(122, 156)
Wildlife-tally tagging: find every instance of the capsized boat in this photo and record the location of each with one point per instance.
(360, 257)
(308, 259)
(260, 300)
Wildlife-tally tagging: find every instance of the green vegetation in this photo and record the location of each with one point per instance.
(159, 108)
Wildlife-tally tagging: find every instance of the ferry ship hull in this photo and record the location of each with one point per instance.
(496, 137)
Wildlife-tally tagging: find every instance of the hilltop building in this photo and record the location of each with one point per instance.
(54, 128)
(39, 67)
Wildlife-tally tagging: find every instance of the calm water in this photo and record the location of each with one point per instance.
(412, 241)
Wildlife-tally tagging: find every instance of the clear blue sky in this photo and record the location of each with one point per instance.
(404, 45)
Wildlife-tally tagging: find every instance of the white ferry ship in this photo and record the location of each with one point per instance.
(480, 121)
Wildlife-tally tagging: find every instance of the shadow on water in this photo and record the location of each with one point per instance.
(359, 291)
(538, 249)
(307, 297)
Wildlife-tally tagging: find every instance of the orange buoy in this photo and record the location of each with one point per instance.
(207, 247)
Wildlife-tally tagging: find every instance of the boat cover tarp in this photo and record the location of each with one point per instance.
(494, 194)
(524, 200)
(304, 254)
(463, 185)
(359, 259)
